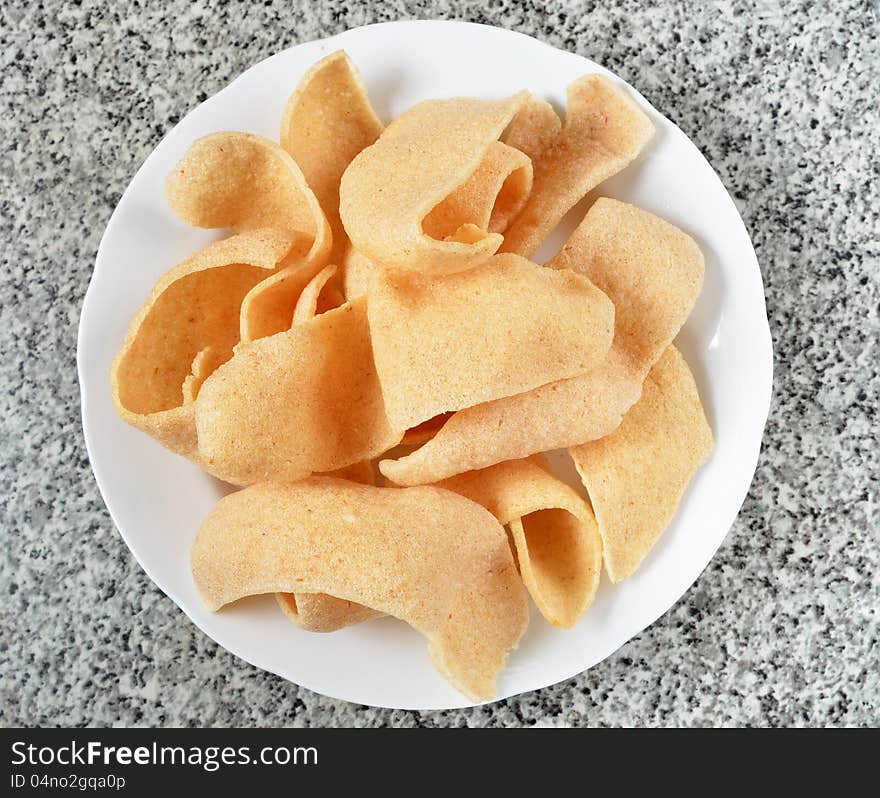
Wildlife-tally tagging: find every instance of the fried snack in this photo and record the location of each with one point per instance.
(546, 418)
(327, 122)
(535, 127)
(493, 195)
(652, 455)
(185, 329)
(303, 401)
(653, 273)
(318, 612)
(448, 342)
(554, 532)
(652, 270)
(269, 305)
(203, 365)
(245, 181)
(603, 133)
(357, 271)
(420, 159)
(318, 296)
(425, 555)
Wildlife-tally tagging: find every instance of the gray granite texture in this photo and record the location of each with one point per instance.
(781, 629)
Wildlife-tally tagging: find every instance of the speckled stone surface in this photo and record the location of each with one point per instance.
(782, 628)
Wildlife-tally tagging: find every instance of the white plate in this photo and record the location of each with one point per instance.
(157, 499)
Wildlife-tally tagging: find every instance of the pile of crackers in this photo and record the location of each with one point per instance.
(374, 358)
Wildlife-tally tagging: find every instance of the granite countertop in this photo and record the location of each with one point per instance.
(781, 628)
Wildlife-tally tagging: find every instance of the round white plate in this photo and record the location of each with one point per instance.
(157, 499)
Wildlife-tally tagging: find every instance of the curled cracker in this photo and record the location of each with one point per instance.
(554, 532)
(604, 131)
(318, 612)
(328, 120)
(418, 161)
(425, 555)
(493, 195)
(317, 297)
(652, 455)
(534, 128)
(185, 329)
(269, 305)
(653, 273)
(246, 182)
(453, 341)
(303, 401)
